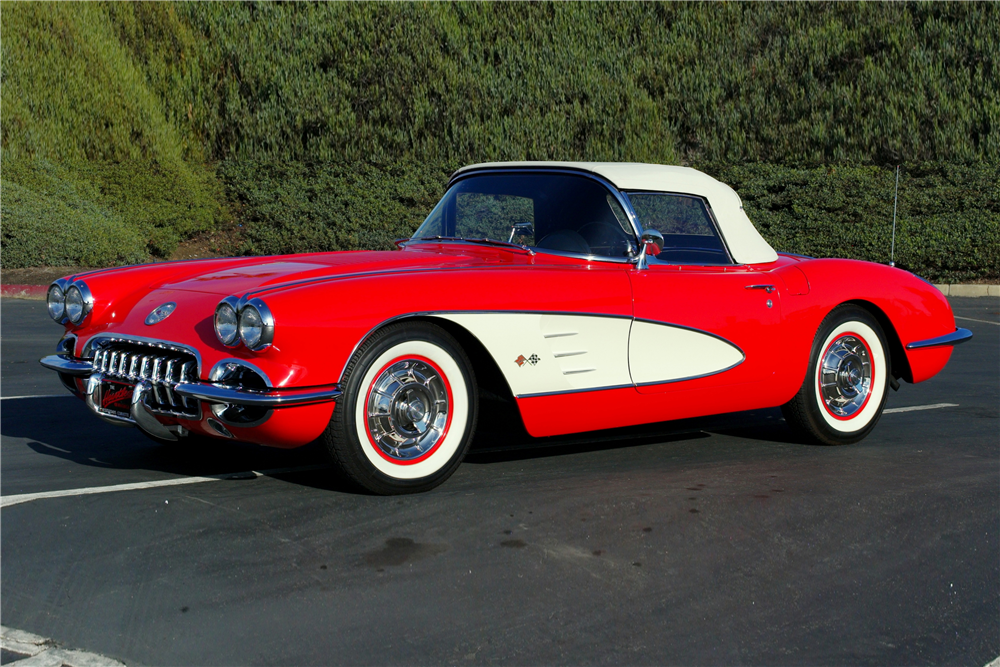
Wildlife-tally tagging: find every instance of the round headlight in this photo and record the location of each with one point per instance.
(74, 304)
(251, 326)
(256, 325)
(226, 324)
(56, 301)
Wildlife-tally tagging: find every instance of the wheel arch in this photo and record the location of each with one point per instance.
(484, 366)
(898, 363)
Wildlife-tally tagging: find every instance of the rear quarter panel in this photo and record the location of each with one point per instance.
(915, 309)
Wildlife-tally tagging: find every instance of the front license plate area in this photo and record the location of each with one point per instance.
(115, 399)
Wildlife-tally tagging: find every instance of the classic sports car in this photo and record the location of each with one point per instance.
(544, 282)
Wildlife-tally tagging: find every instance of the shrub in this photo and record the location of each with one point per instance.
(299, 207)
(63, 228)
(948, 219)
(156, 205)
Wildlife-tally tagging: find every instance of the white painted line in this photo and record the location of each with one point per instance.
(42, 652)
(995, 663)
(11, 398)
(914, 408)
(7, 501)
(970, 319)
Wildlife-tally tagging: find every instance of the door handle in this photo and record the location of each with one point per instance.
(766, 288)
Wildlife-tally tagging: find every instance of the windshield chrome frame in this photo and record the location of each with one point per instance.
(711, 216)
(608, 185)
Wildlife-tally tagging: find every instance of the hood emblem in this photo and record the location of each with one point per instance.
(161, 313)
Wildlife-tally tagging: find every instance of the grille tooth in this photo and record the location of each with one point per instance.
(159, 364)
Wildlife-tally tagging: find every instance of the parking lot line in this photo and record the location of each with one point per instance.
(6, 501)
(914, 408)
(971, 319)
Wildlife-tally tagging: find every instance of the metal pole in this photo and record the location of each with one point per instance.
(892, 251)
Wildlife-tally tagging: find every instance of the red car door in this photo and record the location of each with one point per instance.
(701, 322)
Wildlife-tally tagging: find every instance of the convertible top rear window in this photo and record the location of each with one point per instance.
(557, 212)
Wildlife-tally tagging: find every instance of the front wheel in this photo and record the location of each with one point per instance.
(408, 411)
(844, 391)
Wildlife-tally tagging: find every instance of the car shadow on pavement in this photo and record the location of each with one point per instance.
(65, 428)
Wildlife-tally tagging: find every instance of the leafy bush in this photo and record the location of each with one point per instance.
(157, 206)
(63, 228)
(299, 207)
(948, 220)
(130, 101)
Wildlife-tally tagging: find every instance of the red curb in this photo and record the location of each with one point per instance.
(24, 291)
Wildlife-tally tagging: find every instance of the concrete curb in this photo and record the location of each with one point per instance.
(969, 290)
(24, 291)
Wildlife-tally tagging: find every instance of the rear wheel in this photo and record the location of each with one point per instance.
(408, 411)
(844, 391)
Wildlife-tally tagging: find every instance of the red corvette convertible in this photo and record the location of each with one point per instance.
(593, 295)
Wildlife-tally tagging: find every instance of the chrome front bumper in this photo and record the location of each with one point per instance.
(204, 391)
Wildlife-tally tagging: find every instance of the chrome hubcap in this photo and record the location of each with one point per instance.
(407, 409)
(845, 376)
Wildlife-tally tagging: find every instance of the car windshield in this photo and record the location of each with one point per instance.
(550, 212)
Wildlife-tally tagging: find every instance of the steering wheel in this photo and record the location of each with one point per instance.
(606, 239)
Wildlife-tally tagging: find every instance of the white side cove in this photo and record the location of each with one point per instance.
(544, 354)
(549, 354)
(663, 353)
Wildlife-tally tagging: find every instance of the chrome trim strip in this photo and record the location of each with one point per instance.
(86, 296)
(957, 337)
(67, 344)
(266, 324)
(217, 369)
(618, 194)
(278, 398)
(575, 391)
(63, 363)
(693, 377)
(711, 214)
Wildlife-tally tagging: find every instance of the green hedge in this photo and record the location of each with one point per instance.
(287, 207)
(63, 227)
(102, 212)
(948, 222)
(948, 219)
(129, 102)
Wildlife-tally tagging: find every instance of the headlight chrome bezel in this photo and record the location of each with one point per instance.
(86, 301)
(233, 304)
(266, 338)
(60, 285)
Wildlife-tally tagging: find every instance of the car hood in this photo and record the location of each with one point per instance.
(239, 276)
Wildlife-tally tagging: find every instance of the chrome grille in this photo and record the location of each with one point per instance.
(163, 367)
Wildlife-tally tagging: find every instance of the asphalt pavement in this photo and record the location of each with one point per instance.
(714, 541)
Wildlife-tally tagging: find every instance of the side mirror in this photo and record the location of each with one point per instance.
(520, 229)
(652, 242)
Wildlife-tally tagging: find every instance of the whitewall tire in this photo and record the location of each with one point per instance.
(844, 392)
(408, 411)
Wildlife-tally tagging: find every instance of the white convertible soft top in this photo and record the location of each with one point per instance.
(745, 243)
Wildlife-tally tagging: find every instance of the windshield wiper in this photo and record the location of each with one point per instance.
(502, 244)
